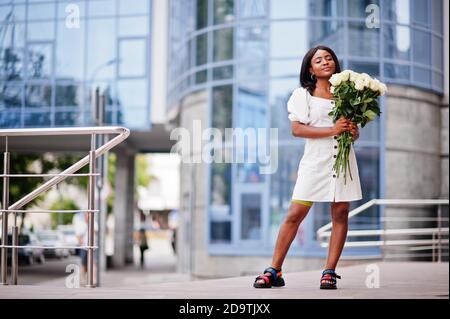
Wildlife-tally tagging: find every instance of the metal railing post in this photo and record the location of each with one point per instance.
(5, 204)
(439, 232)
(91, 206)
(15, 252)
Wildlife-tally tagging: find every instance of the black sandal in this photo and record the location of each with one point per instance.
(273, 278)
(328, 280)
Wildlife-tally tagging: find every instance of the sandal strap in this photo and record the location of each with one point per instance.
(331, 272)
(273, 271)
(266, 278)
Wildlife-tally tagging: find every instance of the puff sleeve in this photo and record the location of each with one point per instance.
(297, 106)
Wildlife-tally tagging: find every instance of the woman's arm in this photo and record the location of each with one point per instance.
(302, 130)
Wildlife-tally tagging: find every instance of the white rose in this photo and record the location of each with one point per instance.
(335, 79)
(332, 89)
(383, 89)
(359, 84)
(374, 85)
(345, 75)
(353, 76)
(366, 79)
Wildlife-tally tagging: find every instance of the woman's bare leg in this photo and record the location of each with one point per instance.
(288, 230)
(339, 217)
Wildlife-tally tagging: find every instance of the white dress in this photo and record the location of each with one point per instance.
(316, 180)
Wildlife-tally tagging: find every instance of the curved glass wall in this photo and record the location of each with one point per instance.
(247, 55)
(53, 53)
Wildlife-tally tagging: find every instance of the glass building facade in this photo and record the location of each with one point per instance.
(54, 52)
(246, 54)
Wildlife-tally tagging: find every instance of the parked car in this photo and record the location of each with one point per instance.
(53, 238)
(27, 255)
(69, 237)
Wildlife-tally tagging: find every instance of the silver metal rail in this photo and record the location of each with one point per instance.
(436, 241)
(121, 132)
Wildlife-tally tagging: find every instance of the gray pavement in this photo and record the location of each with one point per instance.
(396, 280)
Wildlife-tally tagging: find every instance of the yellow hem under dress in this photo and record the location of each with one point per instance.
(304, 202)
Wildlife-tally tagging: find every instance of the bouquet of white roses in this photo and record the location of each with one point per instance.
(355, 96)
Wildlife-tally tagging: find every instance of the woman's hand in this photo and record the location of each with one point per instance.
(354, 129)
(341, 126)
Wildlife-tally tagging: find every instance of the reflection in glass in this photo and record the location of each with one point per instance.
(250, 216)
(68, 94)
(202, 14)
(372, 68)
(10, 119)
(253, 8)
(104, 45)
(134, 26)
(132, 93)
(200, 77)
(222, 106)
(251, 108)
(134, 117)
(69, 52)
(223, 44)
(255, 73)
(10, 95)
(101, 8)
(438, 50)
(285, 68)
(249, 173)
(40, 31)
(363, 41)
(293, 45)
(421, 46)
(67, 118)
(396, 11)
(357, 8)
(396, 71)
(223, 11)
(132, 55)
(223, 72)
(397, 42)
(421, 12)
(38, 95)
(41, 11)
(221, 186)
(37, 119)
(133, 7)
(422, 75)
(327, 33)
(220, 232)
(289, 9)
(69, 6)
(39, 61)
(201, 52)
(326, 8)
(252, 43)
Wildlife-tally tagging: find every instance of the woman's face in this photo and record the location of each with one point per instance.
(322, 64)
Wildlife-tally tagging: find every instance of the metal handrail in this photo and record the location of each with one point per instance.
(6, 209)
(324, 232)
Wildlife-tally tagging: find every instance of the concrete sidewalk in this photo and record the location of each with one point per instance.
(396, 280)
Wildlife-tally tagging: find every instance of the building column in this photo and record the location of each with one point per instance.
(124, 205)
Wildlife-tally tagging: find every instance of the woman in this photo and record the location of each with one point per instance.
(308, 109)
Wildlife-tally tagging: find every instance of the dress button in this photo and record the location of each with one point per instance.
(335, 137)
(334, 156)
(334, 176)
(335, 146)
